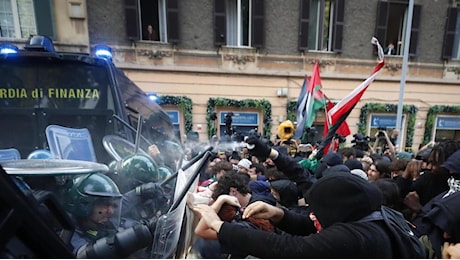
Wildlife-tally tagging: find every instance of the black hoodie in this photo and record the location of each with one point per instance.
(338, 200)
(287, 191)
(442, 213)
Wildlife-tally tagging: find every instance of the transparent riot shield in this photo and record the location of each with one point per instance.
(176, 226)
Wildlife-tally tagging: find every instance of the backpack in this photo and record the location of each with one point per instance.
(404, 241)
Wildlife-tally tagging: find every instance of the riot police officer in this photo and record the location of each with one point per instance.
(94, 202)
(138, 177)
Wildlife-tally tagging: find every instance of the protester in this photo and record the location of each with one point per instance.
(433, 182)
(244, 165)
(285, 193)
(284, 163)
(331, 162)
(337, 202)
(230, 197)
(439, 219)
(378, 170)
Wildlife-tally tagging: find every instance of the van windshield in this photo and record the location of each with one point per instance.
(76, 91)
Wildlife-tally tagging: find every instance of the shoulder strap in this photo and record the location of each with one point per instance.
(375, 215)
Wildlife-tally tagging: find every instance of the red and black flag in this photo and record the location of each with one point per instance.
(337, 114)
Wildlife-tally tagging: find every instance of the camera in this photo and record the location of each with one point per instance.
(341, 138)
(228, 118)
(361, 142)
(288, 130)
(253, 132)
(359, 138)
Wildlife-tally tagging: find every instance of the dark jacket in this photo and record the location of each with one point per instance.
(338, 201)
(430, 184)
(337, 168)
(439, 215)
(287, 191)
(442, 213)
(295, 172)
(427, 185)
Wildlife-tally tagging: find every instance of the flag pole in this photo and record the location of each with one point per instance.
(403, 73)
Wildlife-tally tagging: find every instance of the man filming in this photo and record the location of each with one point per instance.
(387, 147)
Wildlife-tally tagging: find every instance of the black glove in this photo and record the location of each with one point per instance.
(150, 223)
(258, 148)
(150, 190)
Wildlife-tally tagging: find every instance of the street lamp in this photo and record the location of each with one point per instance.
(403, 72)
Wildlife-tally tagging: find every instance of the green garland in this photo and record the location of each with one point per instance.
(291, 110)
(391, 108)
(185, 106)
(262, 105)
(431, 117)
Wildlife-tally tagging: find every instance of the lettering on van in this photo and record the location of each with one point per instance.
(80, 93)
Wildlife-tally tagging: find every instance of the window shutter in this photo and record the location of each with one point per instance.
(415, 30)
(258, 34)
(449, 34)
(132, 19)
(220, 24)
(172, 11)
(304, 22)
(381, 23)
(338, 25)
(44, 18)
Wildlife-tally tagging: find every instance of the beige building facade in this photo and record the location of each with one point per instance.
(281, 84)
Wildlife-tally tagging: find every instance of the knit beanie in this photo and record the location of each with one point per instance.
(340, 197)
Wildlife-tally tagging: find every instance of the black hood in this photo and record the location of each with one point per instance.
(443, 216)
(337, 168)
(287, 191)
(340, 197)
(452, 163)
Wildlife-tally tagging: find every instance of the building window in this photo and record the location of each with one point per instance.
(17, 19)
(456, 49)
(391, 26)
(239, 23)
(321, 13)
(321, 25)
(155, 20)
(451, 46)
(447, 128)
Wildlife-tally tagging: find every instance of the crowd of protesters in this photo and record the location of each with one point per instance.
(317, 205)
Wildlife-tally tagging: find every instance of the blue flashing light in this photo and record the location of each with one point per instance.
(153, 96)
(40, 43)
(103, 51)
(8, 49)
(40, 154)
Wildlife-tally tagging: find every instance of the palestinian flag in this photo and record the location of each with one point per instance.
(310, 101)
(300, 112)
(337, 114)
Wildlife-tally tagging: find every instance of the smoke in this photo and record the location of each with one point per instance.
(232, 146)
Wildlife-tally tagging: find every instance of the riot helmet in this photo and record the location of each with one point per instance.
(90, 191)
(134, 170)
(164, 172)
